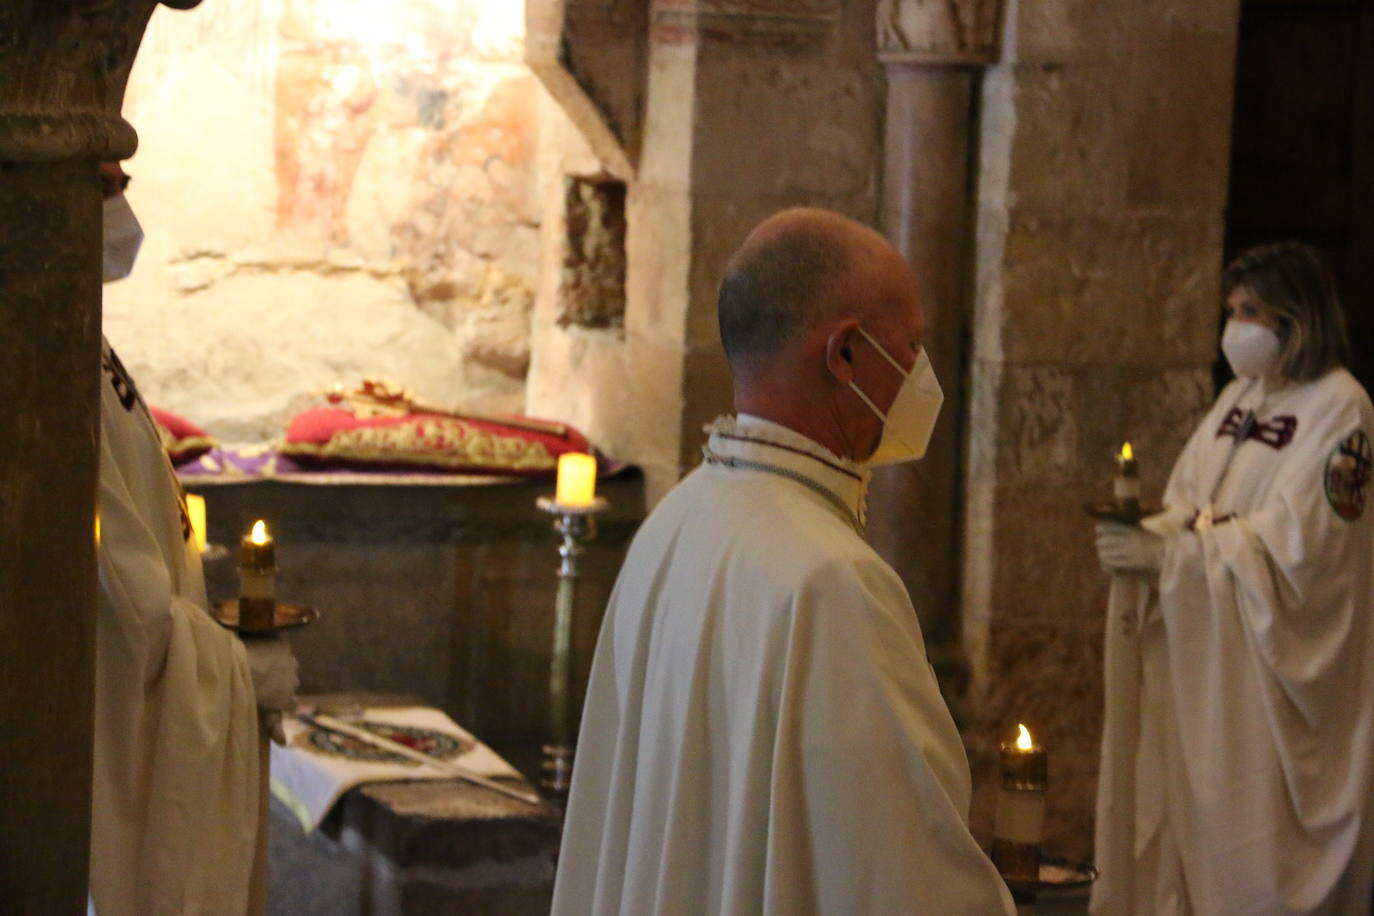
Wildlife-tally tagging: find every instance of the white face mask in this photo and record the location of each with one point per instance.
(911, 418)
(1250, 348)
(122, 237)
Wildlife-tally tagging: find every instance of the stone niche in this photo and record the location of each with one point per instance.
(330, 188)
(592, 290)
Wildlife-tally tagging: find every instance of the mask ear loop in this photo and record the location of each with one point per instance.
(867, 400)
(886, 355)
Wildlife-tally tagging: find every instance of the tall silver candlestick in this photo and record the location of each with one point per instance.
(576, 525)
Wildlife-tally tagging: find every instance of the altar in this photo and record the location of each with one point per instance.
(412, 847)
(434, 586)
(439, 588)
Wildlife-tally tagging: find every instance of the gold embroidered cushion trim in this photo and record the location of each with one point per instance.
(422, 441)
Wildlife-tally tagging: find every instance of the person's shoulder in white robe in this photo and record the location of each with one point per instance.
(763, 732)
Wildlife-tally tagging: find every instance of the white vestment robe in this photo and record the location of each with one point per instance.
(1250, 666)
(762, 731)
(176, 789)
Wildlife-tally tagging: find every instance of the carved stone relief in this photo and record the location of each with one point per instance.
(938, 31)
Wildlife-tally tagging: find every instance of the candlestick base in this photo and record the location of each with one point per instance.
(554, 507)
(1056, 878)
(1126, 513)
(286, 616)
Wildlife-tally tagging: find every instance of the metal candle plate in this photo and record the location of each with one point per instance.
(288, 616)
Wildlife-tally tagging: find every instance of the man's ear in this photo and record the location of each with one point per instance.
(839, 351)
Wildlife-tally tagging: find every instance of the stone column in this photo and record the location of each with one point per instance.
(1102, 184)
(63, 66)
(934, 55)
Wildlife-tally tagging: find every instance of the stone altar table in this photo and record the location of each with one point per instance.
(413, 848)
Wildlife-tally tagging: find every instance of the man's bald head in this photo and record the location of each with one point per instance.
(797, 269)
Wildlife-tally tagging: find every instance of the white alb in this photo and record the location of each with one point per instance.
(763, 733)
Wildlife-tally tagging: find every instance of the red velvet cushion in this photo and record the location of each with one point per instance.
(333, 437)
(183, 440)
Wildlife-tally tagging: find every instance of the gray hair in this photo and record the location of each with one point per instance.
(1292, 281)
(772, 295)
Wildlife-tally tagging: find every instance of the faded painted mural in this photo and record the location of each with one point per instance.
(330, 187)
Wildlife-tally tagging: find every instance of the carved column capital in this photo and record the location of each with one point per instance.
(63, 68)
(938, 32)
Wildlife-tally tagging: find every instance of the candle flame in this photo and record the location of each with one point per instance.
(259, 535)
(1023, 740)
(1127, 453)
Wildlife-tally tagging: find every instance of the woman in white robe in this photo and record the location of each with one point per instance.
(1244, 784)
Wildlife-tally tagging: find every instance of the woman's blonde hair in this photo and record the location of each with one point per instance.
(1293, 283)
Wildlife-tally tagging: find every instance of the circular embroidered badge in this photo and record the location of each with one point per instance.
(424, 740)
(1347, 475)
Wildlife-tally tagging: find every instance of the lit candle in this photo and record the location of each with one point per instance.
(1020, 821)
(1126, 486)
(576, 480)
(195, 508)
(257, 579)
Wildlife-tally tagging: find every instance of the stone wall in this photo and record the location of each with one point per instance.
(331, 187)
(1101, 194)
(749, 106)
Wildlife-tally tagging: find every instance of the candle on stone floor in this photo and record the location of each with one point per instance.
(576, 480)
(1126, 486)
(1020, 820)
(195, 509)
(257, 579)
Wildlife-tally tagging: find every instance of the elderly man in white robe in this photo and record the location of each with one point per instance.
(1238, 746)
(763, 732)
(175, 823)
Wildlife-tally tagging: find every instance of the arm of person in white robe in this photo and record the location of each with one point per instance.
(871, 783)
(179, 725)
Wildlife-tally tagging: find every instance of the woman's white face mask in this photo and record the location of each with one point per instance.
(908, 423)
(122, 238)
(1252, 349)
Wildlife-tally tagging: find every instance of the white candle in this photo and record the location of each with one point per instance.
(1126, 486)
(195, 509)
(576, 480)
(1020, 821)
(257, 579)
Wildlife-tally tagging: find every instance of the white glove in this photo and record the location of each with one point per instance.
(1125, 548)
(274, 671)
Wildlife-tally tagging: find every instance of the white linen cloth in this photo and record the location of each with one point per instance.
(175, 809)
(1250, 786)
(309, 781)
(762, 731)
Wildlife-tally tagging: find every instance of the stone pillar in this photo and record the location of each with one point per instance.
(62, 72)
(1103, 174)
(934, 56)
